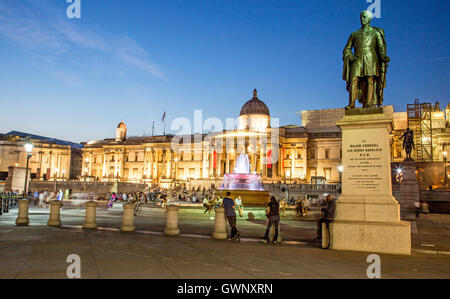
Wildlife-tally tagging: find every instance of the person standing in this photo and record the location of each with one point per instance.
(35, 197)
(206, 205)
(60, 195)
(328, 215)
(229, 206)
(41, 199)
(239, 206)
(163, 201)
(305, 205)
(273, 214)
(283, 205)
(298, 207)
(417, 208)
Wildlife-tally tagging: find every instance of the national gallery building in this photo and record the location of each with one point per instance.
(310, 153)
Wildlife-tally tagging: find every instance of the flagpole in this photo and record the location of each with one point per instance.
(153, 129)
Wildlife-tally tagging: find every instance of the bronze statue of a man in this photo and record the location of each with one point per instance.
(365, 68)
(408, 142)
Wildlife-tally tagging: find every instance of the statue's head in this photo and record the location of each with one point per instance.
(366, 17)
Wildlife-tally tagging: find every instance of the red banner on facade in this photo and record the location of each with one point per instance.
(214, 159)
(269, 159)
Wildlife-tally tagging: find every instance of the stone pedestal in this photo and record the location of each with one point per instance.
(367, 215)
(22, 216)
(409, 190)
(55, 208)
(172, 221)
(220, 229)
(90, 220)
(128, 217)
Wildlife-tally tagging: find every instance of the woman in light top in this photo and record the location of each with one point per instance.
(238, 205)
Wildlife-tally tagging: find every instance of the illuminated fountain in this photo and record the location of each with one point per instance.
(245, 184)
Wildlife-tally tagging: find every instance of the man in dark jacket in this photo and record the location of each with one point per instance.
(229, 205)
(328, 215)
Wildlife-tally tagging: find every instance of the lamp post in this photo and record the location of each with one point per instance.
(28, 149)
(341, 169)
(85, 173)
(445, 169)
(176, 162)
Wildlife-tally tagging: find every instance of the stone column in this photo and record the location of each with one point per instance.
(90, 220)
(409, 189)
(220, 231)
(128, 217)
(55, 207)
(22, 216)
(172, 221)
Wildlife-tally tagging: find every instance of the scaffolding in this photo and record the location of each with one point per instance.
(420, 121)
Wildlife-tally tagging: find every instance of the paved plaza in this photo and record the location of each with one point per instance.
(39, 251)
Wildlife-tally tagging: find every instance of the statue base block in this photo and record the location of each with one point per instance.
(391, 238)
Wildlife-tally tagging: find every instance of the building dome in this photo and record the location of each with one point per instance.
(121, 132)
(122, 125)
(255, 106)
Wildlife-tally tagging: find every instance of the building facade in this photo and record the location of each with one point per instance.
(299, 154)
(50, 159)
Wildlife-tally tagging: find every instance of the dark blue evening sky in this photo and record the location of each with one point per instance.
(76, 79)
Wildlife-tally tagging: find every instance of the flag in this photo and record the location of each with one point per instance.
(164, 116)
(269, 159)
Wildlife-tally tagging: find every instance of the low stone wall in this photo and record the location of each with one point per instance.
(438, 201)
(88, 187)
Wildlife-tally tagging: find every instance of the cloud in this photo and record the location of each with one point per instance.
(43, 30)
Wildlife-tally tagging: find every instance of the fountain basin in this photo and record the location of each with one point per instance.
(250, 198)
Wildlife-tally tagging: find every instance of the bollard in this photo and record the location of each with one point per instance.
(55, 207)
(91, 215)
(128, 217)
(22, 216)
(220, 231)
(325, 236)
(272, 233)
(172, 221)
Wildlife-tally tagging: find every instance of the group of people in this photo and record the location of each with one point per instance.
(43, 197)
(209, 203)
(302, 206)
(273, 216)
(138, 198)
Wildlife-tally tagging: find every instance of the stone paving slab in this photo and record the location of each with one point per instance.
(106, 254)
(39, 251)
